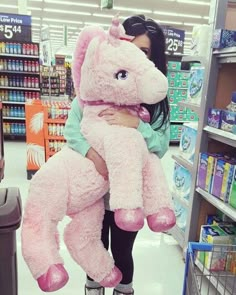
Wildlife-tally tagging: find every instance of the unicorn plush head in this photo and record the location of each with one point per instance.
(110, 69)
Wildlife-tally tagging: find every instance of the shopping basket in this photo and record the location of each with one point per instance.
(210, 269)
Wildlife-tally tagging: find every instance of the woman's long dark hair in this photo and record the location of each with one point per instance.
(139, 25)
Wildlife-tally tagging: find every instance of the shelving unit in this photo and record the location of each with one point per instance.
(220, 82)
(19, 81)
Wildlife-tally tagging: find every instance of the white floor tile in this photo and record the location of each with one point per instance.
(159, 266)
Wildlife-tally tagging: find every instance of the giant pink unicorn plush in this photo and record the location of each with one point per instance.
(107, 71)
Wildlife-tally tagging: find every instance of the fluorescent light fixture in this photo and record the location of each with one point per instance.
(8, 6)
(62, 21)
(194, 2)
(66, 11)
(72, 3)
(132, 9)
(35, 29)
(188, 33)
(192, 24)
(36, 18)
(97, 24)
(169, 22)
(35, 8)
(206, 17)
(187, 38)
(177, 14)
(36, 25)
(103, 15)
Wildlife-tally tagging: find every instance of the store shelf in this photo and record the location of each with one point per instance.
(55, 121)
(223, 281)
(189, 58)
(18, 55)
(19, 88)
(186, 164)
(14, 118)
(13, 102)
(19, 72)
(54, 137)
(14, 135)
(221, 135)
(180, 88)
(226, 55)
(192, 106)
(178, 235)
(225, 208)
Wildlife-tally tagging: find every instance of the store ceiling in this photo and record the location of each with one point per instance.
(182, 14)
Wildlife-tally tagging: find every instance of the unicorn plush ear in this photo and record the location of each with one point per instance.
(85, 37)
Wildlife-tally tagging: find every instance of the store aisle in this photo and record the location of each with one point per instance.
(158, 259)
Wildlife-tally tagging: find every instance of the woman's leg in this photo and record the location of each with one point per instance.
(121, 247)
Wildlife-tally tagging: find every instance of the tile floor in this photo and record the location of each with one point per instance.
(159, 265)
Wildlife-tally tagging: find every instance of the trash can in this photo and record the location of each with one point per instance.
(10, 219)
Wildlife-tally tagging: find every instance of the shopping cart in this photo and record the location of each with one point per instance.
(210, 269)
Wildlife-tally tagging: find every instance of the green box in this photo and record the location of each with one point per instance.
(175, 100)
(232, 196)
(183, 83)
(176, 117)
(177, 109)
(192, 117)
(174, 65)
(176, 128)
(173, 83)
(173, 75)
(184, 75)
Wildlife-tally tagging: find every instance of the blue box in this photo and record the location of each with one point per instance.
(228, 121)
(182, 180)
(195, 84)
(223, 38)
(188, 141)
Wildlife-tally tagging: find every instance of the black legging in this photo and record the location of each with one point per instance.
(121, 246)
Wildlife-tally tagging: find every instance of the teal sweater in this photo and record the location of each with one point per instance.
(157, 141)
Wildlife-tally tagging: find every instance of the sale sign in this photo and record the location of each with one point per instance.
(174, 40)
(14, 27)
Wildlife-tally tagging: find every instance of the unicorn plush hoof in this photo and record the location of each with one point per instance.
(54, 279)
(161, 221)
(113, 279)
(129, 219)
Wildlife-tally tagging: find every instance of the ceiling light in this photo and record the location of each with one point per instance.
(66, 11)
(188, 38)
(62, 21)
(34, 8)
(103, 15)
(169, 22)
(72, 3)
(8, 6)
(191, 24)
(194, 2)
(177, 14)
(35, 18)
(35, 29)
(96, 24)
(36, 25)
(132, 9)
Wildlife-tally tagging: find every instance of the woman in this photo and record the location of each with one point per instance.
(150, 39)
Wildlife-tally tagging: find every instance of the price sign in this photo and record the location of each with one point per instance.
(174, 40)
(14, 27)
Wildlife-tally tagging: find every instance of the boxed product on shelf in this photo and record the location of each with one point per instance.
(195, 84)
(181, 182)
(232, 193)
(188, 141)
(174, 65)
(181, 214)
(177, 109)
(214, 118)
(223, 38)
(205, 170)
(214, 234)
(228, 121)
(176, 117)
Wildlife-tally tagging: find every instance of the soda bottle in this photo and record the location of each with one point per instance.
(25, 82)
(21, 66)
(13, 65)
(3, 47)
(28, 49)
(6, 81)
(7, 48)
(15, 48)
(18, 48)
(17, 65)
(36, 49)
(24, 49)
(32, 49)
(36, 83)
(11, 48)
(9, 65)
(33, 66)
(29, 82)
(25, 66)
(36, 66)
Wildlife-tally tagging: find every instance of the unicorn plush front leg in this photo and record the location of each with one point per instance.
(156, 196)
(46, 206)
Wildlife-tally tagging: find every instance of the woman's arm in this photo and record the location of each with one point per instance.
(157, 141)
(77, 142)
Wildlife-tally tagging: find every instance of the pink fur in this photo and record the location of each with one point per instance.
(68, 184)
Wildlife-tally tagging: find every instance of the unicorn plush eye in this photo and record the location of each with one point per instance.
(121, 75)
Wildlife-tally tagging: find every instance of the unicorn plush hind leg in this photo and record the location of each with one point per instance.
(156, 197)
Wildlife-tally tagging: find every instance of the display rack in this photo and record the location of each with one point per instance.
(177, 94)
(19, 81)
(220, 73)
(55, 115)
(50, 82)
(62, 74)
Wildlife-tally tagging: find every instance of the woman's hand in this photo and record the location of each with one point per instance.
(120, 117)
(99, 163)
